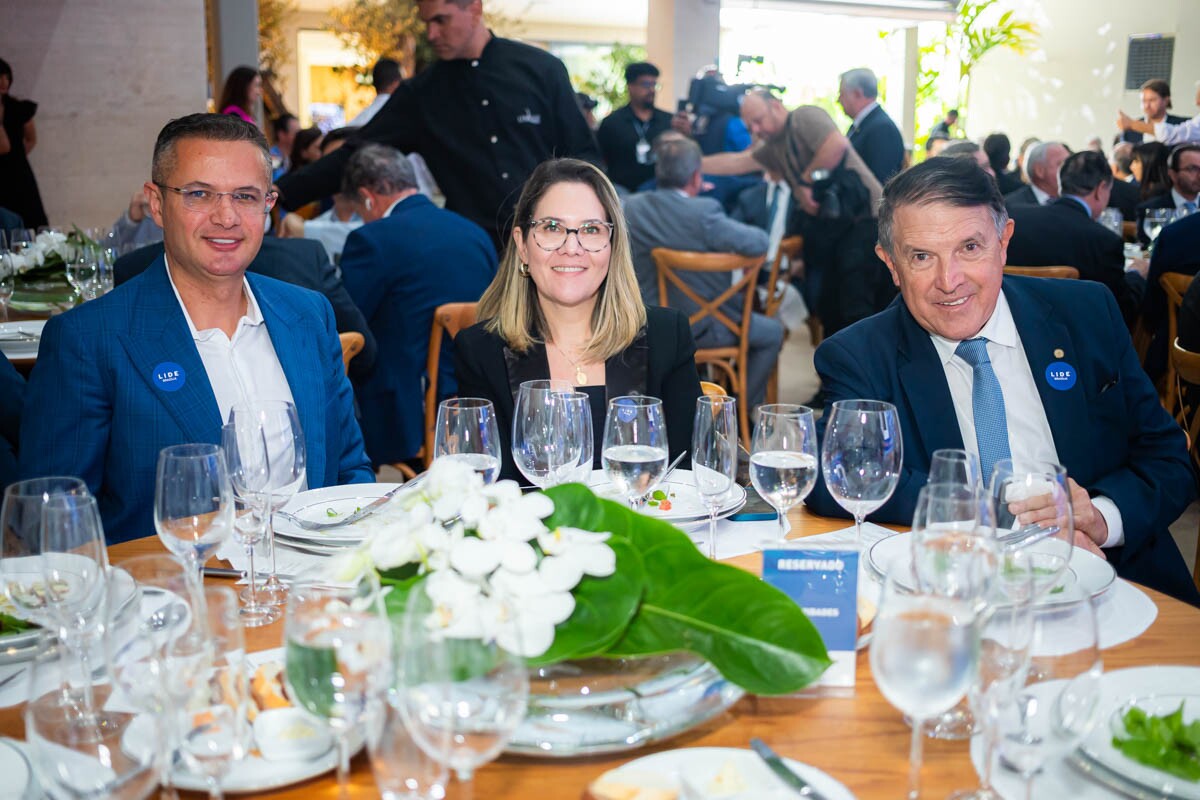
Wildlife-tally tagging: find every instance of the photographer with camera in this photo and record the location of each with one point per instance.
(834, 187)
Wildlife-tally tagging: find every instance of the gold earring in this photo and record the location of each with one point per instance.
(523, 270)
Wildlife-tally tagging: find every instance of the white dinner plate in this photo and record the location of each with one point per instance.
(893, 556)
(18, 775)
(328, 505)
(691, 770)
(686, 505)
(16, 346)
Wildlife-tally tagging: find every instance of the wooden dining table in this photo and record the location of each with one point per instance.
(861, 740)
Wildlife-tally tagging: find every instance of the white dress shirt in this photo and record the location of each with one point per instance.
(368, 113)
(1042, 197)
(1186, 131)
(1029, 435)
(860, 116)
(777, 225)
(242, 368)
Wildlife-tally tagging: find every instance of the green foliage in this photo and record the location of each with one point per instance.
(273, 48)
(374, 30)
(606, 81)
(1162, 742)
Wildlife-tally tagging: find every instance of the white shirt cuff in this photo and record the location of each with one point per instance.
(1112, 515)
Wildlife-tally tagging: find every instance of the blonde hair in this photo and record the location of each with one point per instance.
(510, 304)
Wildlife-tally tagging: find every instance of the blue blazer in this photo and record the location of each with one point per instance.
(398, 270)
(12, 398)
(1110, 431)
(94, 408)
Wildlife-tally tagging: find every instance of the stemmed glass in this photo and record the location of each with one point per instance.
(20, 239)
(250, 473)
(714, 456)
(193, 502)
(783, 457)
(8, 277)
(578, 434)
(539, 448)
(286, 456)
(1157, 219)
(1047, 528)
(462, 699)
(338, 649)
(1059, 703)
(861, 456)
(466, 431)
(949, 465)
(81, 269)
(922, 658)
(634, 449)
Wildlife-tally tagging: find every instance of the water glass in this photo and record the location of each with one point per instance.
(466, 431)
(539, 418)
(249, 473)
(783, 457)
(1112, 219)
(82, 269)
(714, 456)
(1156, 219)
(950, 465)
(861, 456)
(8, 277)
(1047, 528)
(635, 447)
(193, 501)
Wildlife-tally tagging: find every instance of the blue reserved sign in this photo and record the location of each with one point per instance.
(825, 584)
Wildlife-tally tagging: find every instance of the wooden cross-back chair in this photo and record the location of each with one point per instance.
(1186, 368)
(1043, 272)
(790, 248)
(352, 345)
(1174, 285)
(729, 361)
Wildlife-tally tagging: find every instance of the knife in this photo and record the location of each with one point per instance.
(783, 771)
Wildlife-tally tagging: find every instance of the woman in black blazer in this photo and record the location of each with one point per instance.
(565, 304)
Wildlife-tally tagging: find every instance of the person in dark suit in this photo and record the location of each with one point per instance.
(1041, 167)
(1188, 321)
(565, 304)
(1156, 100)
(10, 220)
(999, 152)
(1065, 233)
(1177, 249)
(1052, 375)
(301, 262)
(1183, 171)
(872, 132)
(408, 259)
(12, 398)
(162, 359)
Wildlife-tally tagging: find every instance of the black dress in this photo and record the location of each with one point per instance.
(18, 187)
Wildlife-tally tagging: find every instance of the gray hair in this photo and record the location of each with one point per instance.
(382, 169)
(862, 79)
(958, 182)
(1037, 155)
(962, 148)
(678, 159)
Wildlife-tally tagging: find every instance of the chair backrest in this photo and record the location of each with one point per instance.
(790, 248)
(711, 389)
(1043, 272)
(1174, 285)
(671, 262)
(352, 345)
(1129, 231)
(451, 318)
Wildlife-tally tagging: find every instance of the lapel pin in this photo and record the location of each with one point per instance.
(1058, 352)
(1060, 375)
(169, 376)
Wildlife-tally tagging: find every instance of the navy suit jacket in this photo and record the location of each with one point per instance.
(94, 408)
(878, 141)
(1110, 431)
(1021, 197)
(398, 270)
(12, 397)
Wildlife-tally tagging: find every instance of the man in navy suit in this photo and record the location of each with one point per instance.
(1033, 368)
(1183, 168)
(1041, 168)
(12, 397)
(408, 259)
(162, 359)
(872, 134)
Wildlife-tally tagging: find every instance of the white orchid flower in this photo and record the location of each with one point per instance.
(350, 565)
(524, 624)
(457, 605)
(393, 548)
(572, 553)
(519, 518)
(477, 558)
(447, 485)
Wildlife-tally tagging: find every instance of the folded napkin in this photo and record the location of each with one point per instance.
(287, 562)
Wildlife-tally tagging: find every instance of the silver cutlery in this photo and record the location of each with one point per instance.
(9, 679)
(225, 572)
(361, 513)
(18, 336)
(641, 501)
(783, 771)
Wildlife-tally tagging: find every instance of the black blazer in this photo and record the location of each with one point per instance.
(1176, 250)
(661, 362)
(12, 397)
(1021, 197)
(301, 262)
(1135, 137)
(1125, 196)
(751, 208)
(880, 144)
(1009, 181)
(1062, 233)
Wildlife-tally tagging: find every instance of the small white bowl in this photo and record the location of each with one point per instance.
(288, 734)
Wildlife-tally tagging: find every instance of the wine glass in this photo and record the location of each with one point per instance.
(462, 699)
(1047, 532)
(538, 446)
(1157, 219)
(20, 239)
(949, 465)
(922, 658)
(783, 457)
(1059, 703)
(286, 455)
(634, 450)
(8, 277)
(249, 474)
(466, 431)
(861, 456)
(77, 760)
(193, 501)
(338, 650)
(714, 456)
(210, 665)
(578, 436)
(81, 269)
(1112, 219)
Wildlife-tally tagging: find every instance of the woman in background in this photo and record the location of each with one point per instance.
(242, 92)
(1149, 167)
(18, 136)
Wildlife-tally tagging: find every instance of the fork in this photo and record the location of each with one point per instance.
(5, 681)
(365, 511)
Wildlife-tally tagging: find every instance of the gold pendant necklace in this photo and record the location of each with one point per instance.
(580, 375)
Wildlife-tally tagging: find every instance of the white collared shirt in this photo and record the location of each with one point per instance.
(1179, 200)
(1029, 435)
(863, 114)
(1042, 197)
(242, 368)
(368, 113)
(776, 227)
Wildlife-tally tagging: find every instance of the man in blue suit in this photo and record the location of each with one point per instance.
(872, 132)
(162, 359)
(408, 259)
(12, 398)
(1038, 369)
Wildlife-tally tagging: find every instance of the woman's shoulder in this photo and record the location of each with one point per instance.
(660, 319)
(478, 336)
(20, 110)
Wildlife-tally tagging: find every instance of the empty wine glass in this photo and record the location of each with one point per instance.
(949, 465)
(861, 456)
(1046, 526)
(8, 277)
(338, 651)
(1059, 703)
(193, 501)
(81, 269)
(714, 456)
(783, 457)
(466, 431)
(634, 450)
(578, 435)
(1156, 219)
(249, 474)
(20, 239)
(922, 658)
(539, 448)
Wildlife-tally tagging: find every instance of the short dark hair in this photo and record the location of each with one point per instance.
(937, 136)
(639, 69)
(213, 127)
(1082, 172)
(676, 161)
(237, 89)
(385, 72)
(304, 140)
(280, 124)
(958, 182)
(382, 169)
(1160, 88)
(999, 151)
(5, 69)
(1177, 153)
(337, 135)
(952, 113)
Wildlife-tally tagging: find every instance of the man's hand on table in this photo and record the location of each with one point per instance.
(1091, 529)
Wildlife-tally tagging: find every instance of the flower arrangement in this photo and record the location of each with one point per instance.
(586, 577)
(45, 258)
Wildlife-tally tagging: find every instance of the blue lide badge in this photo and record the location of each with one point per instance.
(824, 583)
(1061, 376)
(169, 376)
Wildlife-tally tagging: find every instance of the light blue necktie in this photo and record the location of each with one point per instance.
(1189, 207)
(991, 423)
